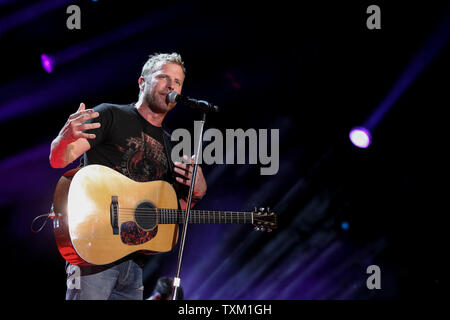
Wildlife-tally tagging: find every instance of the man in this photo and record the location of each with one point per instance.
(131, 140)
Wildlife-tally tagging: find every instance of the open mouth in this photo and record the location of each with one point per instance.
(166, 99)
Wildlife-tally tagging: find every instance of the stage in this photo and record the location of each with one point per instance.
(307, 74)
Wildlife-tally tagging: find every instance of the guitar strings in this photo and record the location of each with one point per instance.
(178, 217)
(175, 215)
(182, 217)
(151, 212)
(183, 211)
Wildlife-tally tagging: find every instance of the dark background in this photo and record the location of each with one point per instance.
(311, 70)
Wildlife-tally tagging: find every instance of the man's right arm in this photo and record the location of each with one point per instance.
(71, 141)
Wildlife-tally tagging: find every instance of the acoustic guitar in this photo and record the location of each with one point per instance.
(102, 216)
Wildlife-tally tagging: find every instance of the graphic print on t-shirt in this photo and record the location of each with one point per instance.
(143, 159)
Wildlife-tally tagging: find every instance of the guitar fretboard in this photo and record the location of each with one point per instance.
(174, 216)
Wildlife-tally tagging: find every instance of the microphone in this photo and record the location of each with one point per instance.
(193, 103)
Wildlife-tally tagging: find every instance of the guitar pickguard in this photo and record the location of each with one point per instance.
(131, 234)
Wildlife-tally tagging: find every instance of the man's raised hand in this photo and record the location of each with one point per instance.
(73, 129)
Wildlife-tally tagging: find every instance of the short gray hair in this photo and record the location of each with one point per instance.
(155, 60)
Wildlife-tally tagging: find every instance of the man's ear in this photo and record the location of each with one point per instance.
(141, 82)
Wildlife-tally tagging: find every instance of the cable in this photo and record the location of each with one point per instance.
(50, 215)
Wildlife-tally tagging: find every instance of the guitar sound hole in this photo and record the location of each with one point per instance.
(145, 215)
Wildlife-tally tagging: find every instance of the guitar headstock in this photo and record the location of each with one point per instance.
(264, 219)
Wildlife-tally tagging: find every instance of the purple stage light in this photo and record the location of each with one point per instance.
(360, 137)
(47, 62)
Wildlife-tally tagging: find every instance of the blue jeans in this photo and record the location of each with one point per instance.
(121, 281)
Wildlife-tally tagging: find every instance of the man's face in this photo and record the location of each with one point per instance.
(165, 78)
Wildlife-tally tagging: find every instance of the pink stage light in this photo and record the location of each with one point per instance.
(47, 63)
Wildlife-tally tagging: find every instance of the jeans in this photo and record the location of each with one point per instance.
(120, 281)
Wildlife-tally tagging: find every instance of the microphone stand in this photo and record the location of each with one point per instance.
(176, 279)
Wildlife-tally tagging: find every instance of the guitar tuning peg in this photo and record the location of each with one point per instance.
(262, 229)
(262, 209)
(269, 230)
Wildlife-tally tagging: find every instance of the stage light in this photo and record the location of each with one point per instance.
(360, 137)
(47, 62)
(345, 225)
(432, 47)
(150, 21)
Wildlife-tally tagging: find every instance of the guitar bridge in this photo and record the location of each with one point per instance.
(114, 214)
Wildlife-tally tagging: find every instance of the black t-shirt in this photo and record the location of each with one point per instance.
(129, 144)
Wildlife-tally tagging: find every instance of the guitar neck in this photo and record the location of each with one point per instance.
(174, 216)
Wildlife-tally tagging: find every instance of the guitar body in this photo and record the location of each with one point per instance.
(88, 227)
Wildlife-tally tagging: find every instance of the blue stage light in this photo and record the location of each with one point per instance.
(345, 225)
